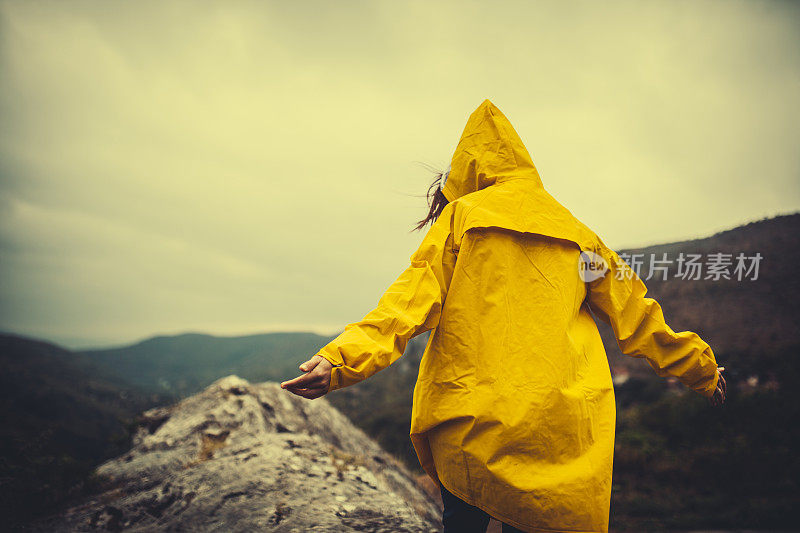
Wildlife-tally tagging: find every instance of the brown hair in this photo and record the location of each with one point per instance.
(436, 202)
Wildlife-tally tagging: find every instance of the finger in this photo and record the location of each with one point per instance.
(321, 379)
(313, 381)
(310, 364)
(299, 381)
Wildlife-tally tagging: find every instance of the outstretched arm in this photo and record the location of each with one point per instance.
(618, 298)
(409, 307)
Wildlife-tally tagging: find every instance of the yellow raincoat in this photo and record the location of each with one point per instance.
(514, 406)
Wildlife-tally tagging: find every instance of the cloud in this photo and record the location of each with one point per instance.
(250, 165)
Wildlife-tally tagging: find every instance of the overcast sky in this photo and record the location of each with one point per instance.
(239, 167)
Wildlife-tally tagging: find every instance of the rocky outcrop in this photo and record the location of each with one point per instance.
(251, 457)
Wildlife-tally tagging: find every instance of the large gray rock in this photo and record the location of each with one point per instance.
(252, 457)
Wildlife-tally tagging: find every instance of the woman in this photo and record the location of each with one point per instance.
(514, 410)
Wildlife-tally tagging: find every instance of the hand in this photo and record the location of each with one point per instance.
(316, 380)
(720, 392)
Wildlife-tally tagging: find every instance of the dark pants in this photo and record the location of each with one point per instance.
(460, 517)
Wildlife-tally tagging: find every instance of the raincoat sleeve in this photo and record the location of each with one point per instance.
(618, 298)
(410, 306)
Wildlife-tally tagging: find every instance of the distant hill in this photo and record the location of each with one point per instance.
(682, 465)
(184, 364)
(734, 317)
(60, 416)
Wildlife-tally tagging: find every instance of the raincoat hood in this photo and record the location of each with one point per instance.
(494, 182)
(489, 152)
